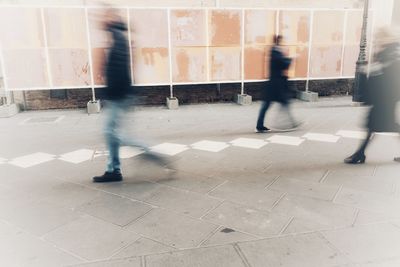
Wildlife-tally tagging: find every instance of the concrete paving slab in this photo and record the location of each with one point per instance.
(313, 214)
(91, 238)
(143, 246)
(188, 203)
(192, 182)
(354, 170)
(18, 248)
(247, 194)
(226, 235)
(364, 183)
(172, 229)
(69, 185)
(368, 201)
(302, 188)
(129, 262)
(385, 263)
(309, 174)
(137, 190)
(39, 217)
(368, 242)
(115, 209)
(366, 217)
(201, 257)
(310, 250)
(71, 195)
(248, 220)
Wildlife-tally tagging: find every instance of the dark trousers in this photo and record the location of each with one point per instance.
(261, 115)
(364, 144)
(264, 108)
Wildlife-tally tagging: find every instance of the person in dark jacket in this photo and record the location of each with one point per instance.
(277, 89)
(117, 93)
(382, 91)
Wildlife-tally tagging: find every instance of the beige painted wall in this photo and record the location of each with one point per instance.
(201, 3)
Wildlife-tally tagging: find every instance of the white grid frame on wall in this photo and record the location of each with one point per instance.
(242, 80)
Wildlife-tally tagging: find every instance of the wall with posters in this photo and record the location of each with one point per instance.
(197, 50)
(64, 47)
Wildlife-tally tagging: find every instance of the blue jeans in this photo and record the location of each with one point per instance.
(115, 115)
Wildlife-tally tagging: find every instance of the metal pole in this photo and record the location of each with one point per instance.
(362, 57)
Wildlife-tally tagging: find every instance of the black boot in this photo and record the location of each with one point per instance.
(356, 158)
(262, 129)
(107, 177)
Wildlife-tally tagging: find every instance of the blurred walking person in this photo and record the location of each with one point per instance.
(277, 89)
(382, 91)
(119, 95)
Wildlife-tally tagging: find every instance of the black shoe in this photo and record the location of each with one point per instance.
(107, 177)
(397, 159)
(356, 158)
(262, 130)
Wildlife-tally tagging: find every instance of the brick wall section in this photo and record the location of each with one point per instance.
(255, 89)
(187, 94)
(76, 98)
(206, 93)
(332, 87)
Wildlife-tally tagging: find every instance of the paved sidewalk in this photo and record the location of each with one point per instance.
(227, 196)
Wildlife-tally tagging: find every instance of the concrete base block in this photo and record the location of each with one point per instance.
(307, 96)
(93, 107)
(357, 104)
(243, 99)
(8, 110)
(172, 103)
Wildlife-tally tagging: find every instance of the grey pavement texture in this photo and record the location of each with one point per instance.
(274, 199)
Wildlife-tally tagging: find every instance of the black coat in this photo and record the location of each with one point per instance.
(277, 88)
(118, 77)
(383, 90)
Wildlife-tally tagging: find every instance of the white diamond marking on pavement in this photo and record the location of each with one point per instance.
(352, 134)
(210, 146)
(389, 134)
(100, 153)
(32, 159)
(77, 156)
(169, 148)
(286, 140)
(322, 137)
(127, 152)
(249, 143)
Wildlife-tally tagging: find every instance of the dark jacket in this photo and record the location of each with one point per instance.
(383, 90)
(118, 77)
(277, 88)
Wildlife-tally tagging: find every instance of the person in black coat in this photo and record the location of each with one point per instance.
(277, 89)
(117, 93)
(382, 92)
(117, 70)
(118, 96)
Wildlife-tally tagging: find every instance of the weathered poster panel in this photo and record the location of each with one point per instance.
(259, 29)
(67, 40)
(150, 44)
(22, 42)
(294, 26)
(327, 44)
